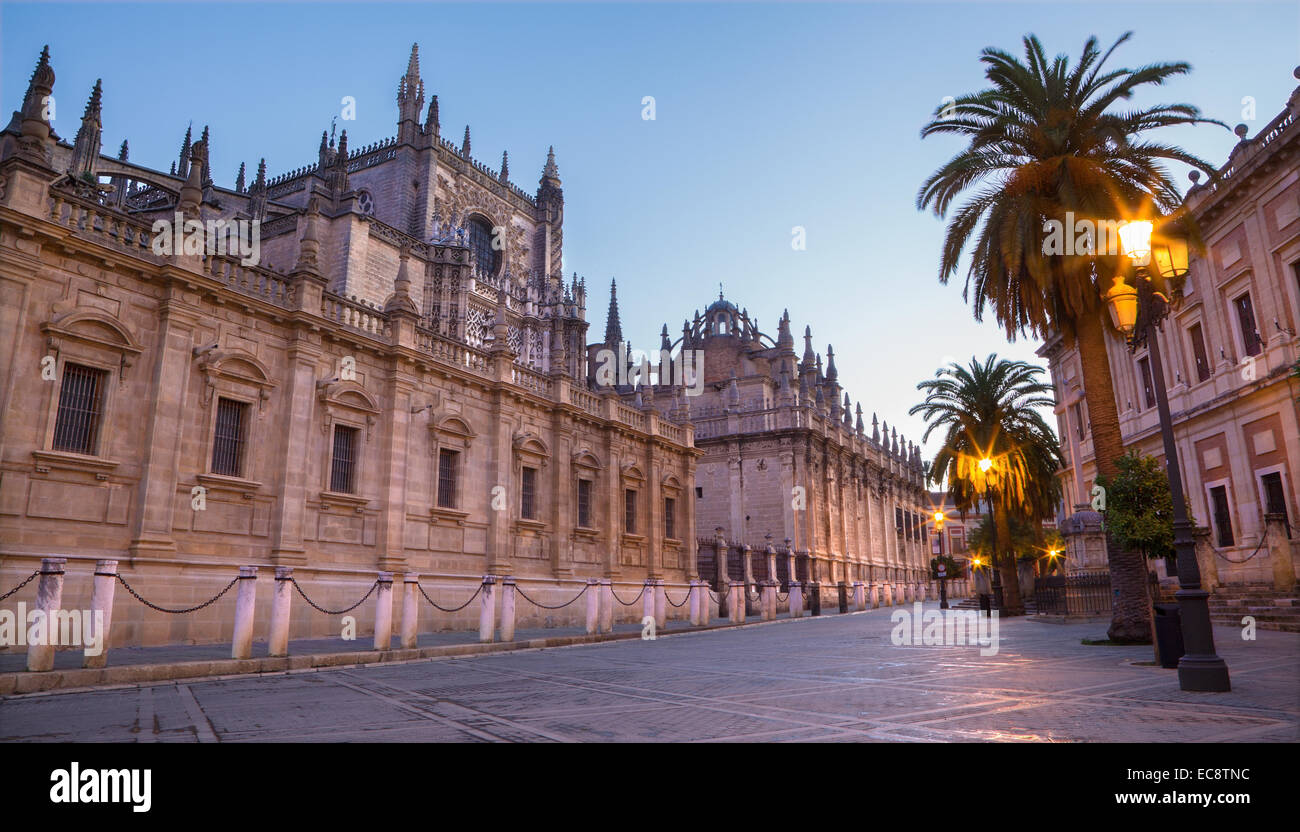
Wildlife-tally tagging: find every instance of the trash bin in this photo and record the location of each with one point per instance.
(1169, 633)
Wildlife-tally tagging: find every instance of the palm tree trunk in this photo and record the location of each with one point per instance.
(1130, 614)
(1012, 604)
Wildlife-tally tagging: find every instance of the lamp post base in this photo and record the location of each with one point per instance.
(1203, 673)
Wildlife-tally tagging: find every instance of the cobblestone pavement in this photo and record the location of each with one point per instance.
(835, 678)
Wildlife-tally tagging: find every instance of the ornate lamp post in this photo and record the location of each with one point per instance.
(942, 570)
(1137, 312)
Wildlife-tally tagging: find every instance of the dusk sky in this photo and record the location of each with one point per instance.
(768, 116)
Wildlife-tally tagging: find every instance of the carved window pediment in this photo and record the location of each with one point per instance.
(584, 458)
(349, 401)
(96, 329)
(239, 368)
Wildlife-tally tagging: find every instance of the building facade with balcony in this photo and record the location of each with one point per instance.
(1229, 350)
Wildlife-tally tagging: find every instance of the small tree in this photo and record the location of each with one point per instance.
(1139, 508)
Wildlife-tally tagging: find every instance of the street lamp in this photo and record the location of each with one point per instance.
(1137, 312)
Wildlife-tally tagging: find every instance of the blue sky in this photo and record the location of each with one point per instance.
(768, 116)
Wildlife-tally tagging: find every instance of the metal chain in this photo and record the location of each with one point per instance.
(453, 609)
(780, 597)
(333, 612)
(21, 585)
(1262, 540)
(152, 606)
(627, 603)
(669, 599)
(524, 595)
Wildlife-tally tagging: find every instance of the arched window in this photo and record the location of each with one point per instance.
(480, 240)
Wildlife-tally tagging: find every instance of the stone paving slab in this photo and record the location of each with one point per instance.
(831, 679)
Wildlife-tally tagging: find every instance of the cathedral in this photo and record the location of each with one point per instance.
(373, 363)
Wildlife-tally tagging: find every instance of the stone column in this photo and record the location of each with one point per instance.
(888, 594)
(410, 609)
(508, 597)
(1279, 551)
(101, 605)
(1206, 559)
(695, 603)
(661, 605)
(384, 611)
(859, 596)
(487, 610)
(593, 606)
(796, 600)
(736, 602)
(49, 598)
(607, 605)
(281, 603)
(873, 594)
(241, 646)
(648, 601)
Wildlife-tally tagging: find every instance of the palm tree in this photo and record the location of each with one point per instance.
(997, 449)
(1044, 139)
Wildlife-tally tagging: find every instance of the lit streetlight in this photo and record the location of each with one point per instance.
(1137, 311)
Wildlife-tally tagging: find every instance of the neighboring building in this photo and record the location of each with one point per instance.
(385, 389)
(1228, 352)
(787, 460)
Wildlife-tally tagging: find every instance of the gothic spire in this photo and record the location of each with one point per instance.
(431, 123)
(464, 145)
(35, 130)
(183, 166)
(832, 374)
(505, 166)
(124, 152)
(552, 170)
(807, 347)
(85, 149)
(861, 428)
(613, 327)
(239, 179)
(206, 169)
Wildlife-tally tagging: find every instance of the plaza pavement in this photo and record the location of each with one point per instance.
(833, 678)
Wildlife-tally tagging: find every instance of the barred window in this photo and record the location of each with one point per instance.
(76, 429)
(584, 504)
(229, 438)
(448, 471)
(486, 258)
(629, 511)
(528, 494)
(898, 519)
(343, 469)
(1222, 517)
(670, 519)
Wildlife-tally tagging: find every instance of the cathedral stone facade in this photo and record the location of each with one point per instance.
(373, 364)
(788, 465)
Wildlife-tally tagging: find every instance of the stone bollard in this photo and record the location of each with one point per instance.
(1279, 551)
(384, 611)
(1205, 559)
(661, 604)
(648, 601)
(410, 609)
(241, 644)
(487, 610)
(281, 603)
(508, 596)
(736, 602)
(909, 593)
(887, 595)
(606, 605)
(766, 599)
(796, 600)
(49, 596)
(593, 606)
(694, 593)
(920, 591)
(101, 606)
(815, 597)
(873, 595)
(859, 596)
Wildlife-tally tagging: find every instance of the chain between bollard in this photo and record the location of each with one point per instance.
(627, 603)
(185, 611)
(669, 599)
(318, 607)
(524, 595)
(21, 585)
(1263, 538)
(781, 597)
(453, 609)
